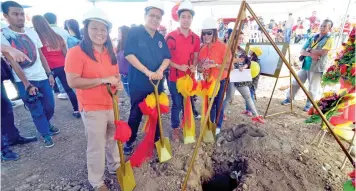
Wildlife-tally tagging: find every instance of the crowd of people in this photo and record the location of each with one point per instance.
(82, 62)
(290, 30)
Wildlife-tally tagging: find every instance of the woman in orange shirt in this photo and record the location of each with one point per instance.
(89, 68)
(211, 56)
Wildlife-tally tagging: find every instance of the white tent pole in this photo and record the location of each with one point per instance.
(343, 25)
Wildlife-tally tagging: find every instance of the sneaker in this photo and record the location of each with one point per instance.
(9, 155)
(53, 130)
(48, 141)
(62, 96)
(217, 131)
(197, 116)
(286, 102)
(307, 108)
(112, 172)
(128, 149)
(23, 140)
(76, 114)
(258, 119)
(175, 134)
(101, 188)
(248, 113)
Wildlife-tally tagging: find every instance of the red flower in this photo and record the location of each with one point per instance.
(343, 69)
(123, 131)
(353, 71)
(331, 68)
(343, 44)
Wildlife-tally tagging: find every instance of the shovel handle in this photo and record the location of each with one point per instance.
(117, 117)
(155, 86)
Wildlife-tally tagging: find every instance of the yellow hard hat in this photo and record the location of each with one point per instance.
(257, 50)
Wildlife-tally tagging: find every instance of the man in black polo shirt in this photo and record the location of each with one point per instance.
(149, 56)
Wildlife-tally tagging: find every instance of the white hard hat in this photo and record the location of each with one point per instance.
(186, 6)
(209, 23)
(231, 25)
(158, 4)
(97, 15)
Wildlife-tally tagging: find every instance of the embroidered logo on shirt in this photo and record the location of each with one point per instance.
(159, 44)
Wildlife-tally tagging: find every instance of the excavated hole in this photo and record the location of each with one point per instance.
(225, 176)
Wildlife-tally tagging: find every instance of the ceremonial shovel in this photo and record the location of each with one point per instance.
(163, 146)
(124, 173)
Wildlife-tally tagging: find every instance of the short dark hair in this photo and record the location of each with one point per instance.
(87, 46)
(181, 11)
(329, 21)
(290, 13)
(51, 18)
(5, 6)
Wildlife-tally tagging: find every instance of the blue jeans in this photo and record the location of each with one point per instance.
(61, 75)
(43, 108)
(59, 85)
(9, 132)
(177, 104)
(287, 34)
(125, 82)
(252, 91)
(219, 99)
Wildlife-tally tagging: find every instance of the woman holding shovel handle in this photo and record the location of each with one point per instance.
(89, 68)
(211, 56)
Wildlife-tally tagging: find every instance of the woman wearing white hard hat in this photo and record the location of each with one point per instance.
(211, 56)
(149, 56)
(89, 67)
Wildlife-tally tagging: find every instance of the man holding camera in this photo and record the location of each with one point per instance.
(314, 57)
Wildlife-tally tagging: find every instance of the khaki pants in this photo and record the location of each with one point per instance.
(99, 132)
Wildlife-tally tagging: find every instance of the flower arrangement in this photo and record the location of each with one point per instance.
(331, 103)
(350, 184)
(344, 64)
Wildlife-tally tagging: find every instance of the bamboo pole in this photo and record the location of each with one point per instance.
(197, 145)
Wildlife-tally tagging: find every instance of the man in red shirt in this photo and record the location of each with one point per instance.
(184, 46)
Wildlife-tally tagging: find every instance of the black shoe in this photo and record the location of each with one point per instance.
(48, 141)
(53, 130)
(23, 140)
(9, 155)
(76, 114)
(128, 149)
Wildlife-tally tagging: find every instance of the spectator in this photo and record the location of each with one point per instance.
(75, 36)
(10, 135)
(40, 103)
(121, 60)
(163, 30)
(54, 50)
(315, 51)
(288, 28)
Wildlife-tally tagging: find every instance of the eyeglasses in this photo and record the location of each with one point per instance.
(152, 16)
(207, 33)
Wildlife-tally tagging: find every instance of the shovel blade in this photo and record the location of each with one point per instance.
(126, 178)
(209, 133)
(164, 151)
(189, 135)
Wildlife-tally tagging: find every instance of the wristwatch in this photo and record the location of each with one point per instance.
(50, 74)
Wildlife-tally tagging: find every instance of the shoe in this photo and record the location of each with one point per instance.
(101, 188)
(217, 131)
(128, 149)
(48, 141)
(286, 102)
(258, 119)
(307, 108)
(197, 116)
(23, 140)
(112, 172)
(76, 114)
(53, 130)
(248, 113)
(9, 155)
(175, 134)
(62, 96)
